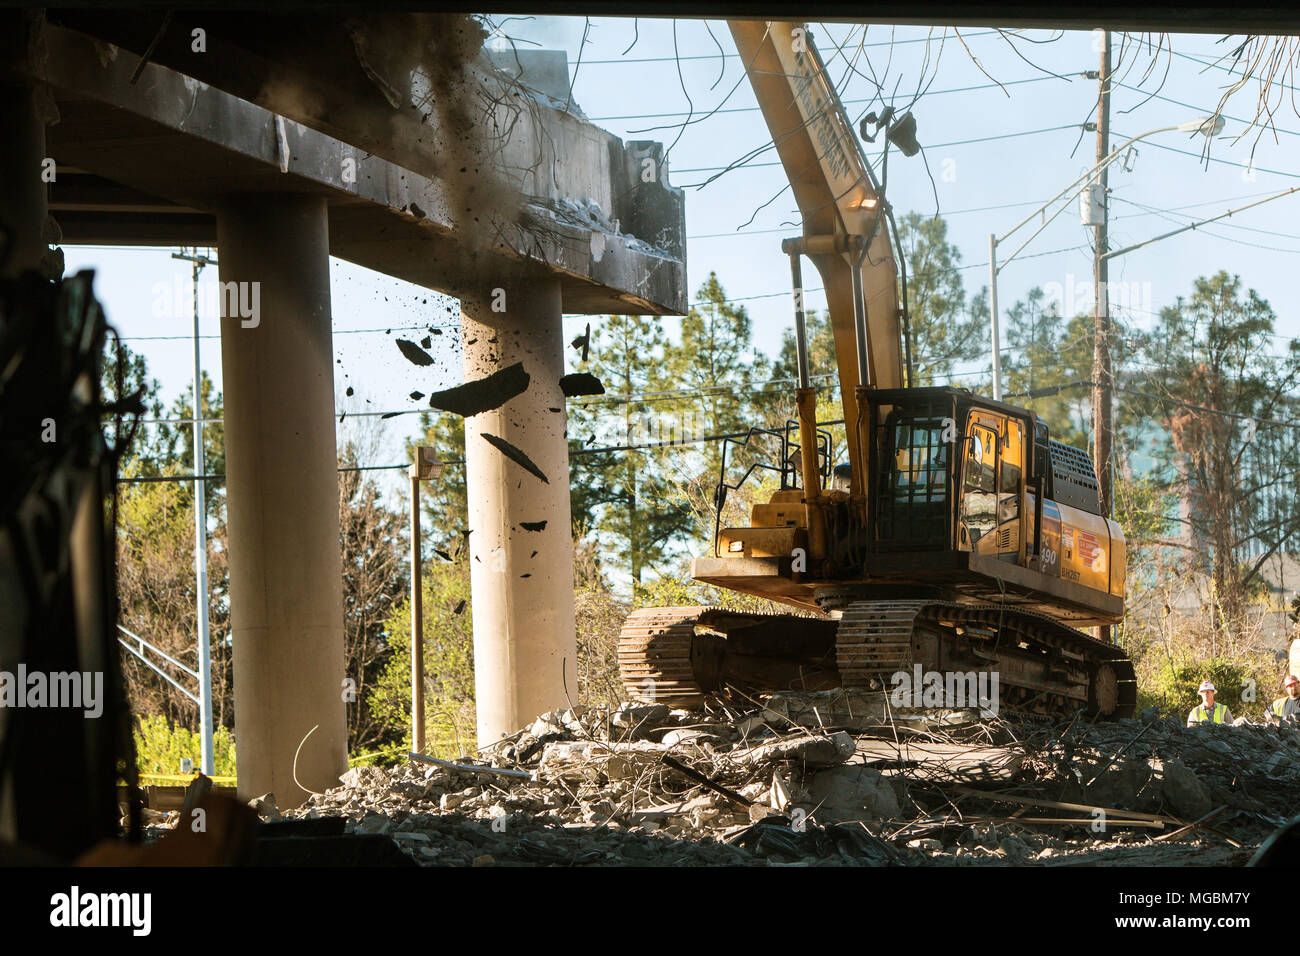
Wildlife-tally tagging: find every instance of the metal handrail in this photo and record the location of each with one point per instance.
(786, 470)
(143, 645)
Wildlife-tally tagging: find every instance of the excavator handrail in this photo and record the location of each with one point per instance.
(788, 450)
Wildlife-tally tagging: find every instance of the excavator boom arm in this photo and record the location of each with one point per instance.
(837, 197)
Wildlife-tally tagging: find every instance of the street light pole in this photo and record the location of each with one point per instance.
(206, 758)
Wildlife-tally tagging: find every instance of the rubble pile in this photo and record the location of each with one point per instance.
(818, 779)
(640, 785)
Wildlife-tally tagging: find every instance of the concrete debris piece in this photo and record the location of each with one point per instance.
(696, 737)
(780, 795)
(635, 716)
(1186, 795)
(484, 394)
(581, 383)
(375, 823)
(809, 750)
(413, 353)
(842, 794)
(265, 806)
(515, 455)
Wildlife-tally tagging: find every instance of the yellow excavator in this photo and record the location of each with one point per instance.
(959, 537)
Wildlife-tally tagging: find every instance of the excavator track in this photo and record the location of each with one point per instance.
(654, 656)
(1044, 666)
(683, 655)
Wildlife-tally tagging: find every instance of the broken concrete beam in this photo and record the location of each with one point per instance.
(943, 762)
(810, 750)
(575, 759)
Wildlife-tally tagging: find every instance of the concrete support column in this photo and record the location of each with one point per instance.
(282, 498)
(522, 580)
(22, 196)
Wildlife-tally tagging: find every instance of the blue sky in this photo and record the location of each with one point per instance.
(993, 155)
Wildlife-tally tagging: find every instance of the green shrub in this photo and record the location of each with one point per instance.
(448, 667)
(159, 748)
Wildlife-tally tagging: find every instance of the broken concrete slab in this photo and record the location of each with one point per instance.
(842, 794)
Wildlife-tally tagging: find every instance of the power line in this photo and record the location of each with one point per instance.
(731, 56)
(1167, 215)
(1217, 66)
(959, 142)
(848, 102)
(1199, 109)
(156, 478)
(574, 452)
(1215, 159)
(1238, 416)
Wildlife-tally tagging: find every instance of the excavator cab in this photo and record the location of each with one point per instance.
(950, 475)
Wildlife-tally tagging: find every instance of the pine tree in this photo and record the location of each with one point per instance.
(627, 496)
(943, 331)
(717, 365)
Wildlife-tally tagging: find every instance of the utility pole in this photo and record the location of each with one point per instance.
(1102, 418)
(197, 262)
(1102, 423)
(426, 467)
(993, 317)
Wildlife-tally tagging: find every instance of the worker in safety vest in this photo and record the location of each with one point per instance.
(1208, 710)
(1288, 706)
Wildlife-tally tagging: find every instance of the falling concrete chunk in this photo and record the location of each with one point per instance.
(533, 525)
(416, 396)
(515, 455)
(583, 342)
(483, 394)
(414, 354)
(581, 383)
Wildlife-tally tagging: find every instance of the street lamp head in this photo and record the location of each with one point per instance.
(1206, 125)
